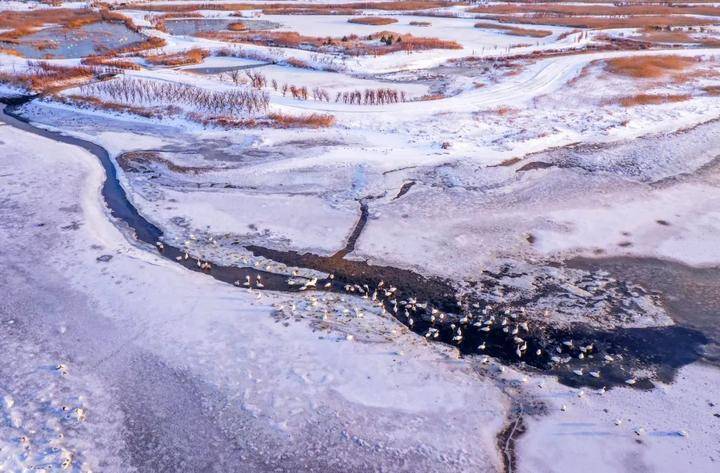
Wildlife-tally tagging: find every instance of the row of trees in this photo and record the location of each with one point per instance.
(150, 92)
(380, 96)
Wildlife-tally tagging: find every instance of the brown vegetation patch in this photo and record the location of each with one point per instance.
(649, 67)
(514, 30)
(192, 56)
(10, 52)
(372, 20)
(152, 42)
(237, 26)
(650, 99)
(109, 61)
(299, 63)
(713, 90)
(22, 23)
(43, 77)
(420, 23)
(314, 120)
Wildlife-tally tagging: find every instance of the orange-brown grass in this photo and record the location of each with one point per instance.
(649, 99)
(299, 63)
(43, 77)
(514, 30)
(237, 26)
(504, 111)
(22, 23)
(152, 42)
(649, 67)
(10, 52)
(658, 35)
(108, 61)
(191, 56)
(314, 120)
(372, 20)
(116, 17)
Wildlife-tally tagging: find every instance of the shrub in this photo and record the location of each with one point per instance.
(372, 20)
(192, 56)
(314, 120)
(237, 26)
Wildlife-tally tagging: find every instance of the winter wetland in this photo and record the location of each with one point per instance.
(393, 236)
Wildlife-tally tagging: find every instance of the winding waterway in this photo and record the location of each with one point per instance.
(662, 349)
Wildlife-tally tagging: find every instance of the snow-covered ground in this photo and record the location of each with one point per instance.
(168, 369)
(509, 161)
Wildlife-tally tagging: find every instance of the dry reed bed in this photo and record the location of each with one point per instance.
(372, 20)
(22, 23)
(650, 99)
(148, 44)
(384, 42)
(649, 67)
(107, 61)
(183, 58)
(43, 77)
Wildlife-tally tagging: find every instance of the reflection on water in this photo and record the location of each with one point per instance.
(691, 295)
(193, 26)
(58, 42)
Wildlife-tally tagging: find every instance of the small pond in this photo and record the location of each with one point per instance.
(61, 43)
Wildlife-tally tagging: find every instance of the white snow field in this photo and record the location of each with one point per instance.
(392, 236)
